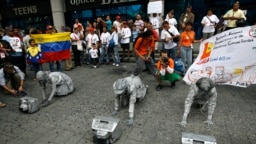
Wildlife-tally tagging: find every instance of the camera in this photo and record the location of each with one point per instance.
(165, 61)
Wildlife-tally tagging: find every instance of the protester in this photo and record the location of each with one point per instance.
(143, 48)
(114, 52)
(125, 41)
(77, 23)
(68, 62)
(171, 20)
(104, 38)
(12, 79)
(168, 34)
(90, 39)
(233, 15)
(139, 22)
(76, 39)
(209, 23)
(17, 55)
(155, 21)
(34, 56)
(187, 16)
(187, 38)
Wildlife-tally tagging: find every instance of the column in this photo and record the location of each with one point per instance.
(58, 9)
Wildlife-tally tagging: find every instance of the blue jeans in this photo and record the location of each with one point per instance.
(103, 52)
(115, 55)
(58, 65)
(88, 59)
(186, 56)
(172, 53)
(37, 67)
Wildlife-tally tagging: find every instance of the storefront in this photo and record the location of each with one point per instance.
(86, 10)
(32, 13)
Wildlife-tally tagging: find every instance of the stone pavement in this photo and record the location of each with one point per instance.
(68, 119)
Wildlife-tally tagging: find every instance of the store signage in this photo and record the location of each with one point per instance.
(104, 2)
(115, 1)
(25, 10)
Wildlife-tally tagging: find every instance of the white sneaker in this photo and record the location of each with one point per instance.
(94, 66)
(114, 64)
(117, 65)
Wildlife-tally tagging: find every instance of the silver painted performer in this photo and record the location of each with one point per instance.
(61, 84)
(203, 93)
(129, 89)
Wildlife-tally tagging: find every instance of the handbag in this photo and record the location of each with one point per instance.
(240, 22)
(176, 39)
(79, 45)
(111, 45)
(179, 65)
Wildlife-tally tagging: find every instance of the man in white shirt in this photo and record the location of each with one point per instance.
(91, 38)
(117, 24)
(104, 38)
(209, 23)
(233, 15)
(171, 20)
(125, 40)
(167, 35)
(155, 20)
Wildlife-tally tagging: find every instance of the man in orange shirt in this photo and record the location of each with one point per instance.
(143, 48)
(165, 71)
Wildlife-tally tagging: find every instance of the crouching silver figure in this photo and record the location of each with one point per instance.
(61, 84)
(129, 89)
(203, 93)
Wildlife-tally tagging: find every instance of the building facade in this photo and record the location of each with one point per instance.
(39, 13)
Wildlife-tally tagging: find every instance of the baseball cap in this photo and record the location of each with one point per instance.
(118, 17)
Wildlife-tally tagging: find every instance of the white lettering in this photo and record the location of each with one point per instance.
(104, 2)
(78, 2)
(25, 10)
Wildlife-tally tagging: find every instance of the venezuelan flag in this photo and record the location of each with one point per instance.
(55, 46)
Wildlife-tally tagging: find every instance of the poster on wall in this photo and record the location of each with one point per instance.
(227, 58)
(155, 7)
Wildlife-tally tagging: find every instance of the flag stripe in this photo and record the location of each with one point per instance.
(55, 46)
(48, 38)
(55, 56)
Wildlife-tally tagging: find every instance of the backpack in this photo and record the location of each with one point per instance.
(111, 45)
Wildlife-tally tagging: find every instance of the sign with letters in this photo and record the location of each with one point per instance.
(227, 58)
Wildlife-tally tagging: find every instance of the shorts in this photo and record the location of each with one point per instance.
(125, 46)
(171, 77)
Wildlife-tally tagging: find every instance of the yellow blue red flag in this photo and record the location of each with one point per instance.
(54, 47)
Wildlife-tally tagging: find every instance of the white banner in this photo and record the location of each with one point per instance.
(227, 58)
(155, 7)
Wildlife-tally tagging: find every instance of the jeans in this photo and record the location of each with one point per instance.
(103, 52)
(115, 55)
(150, 65)
(77, 55)
(172, 53)
(37, 67)
(58, 65)
(207, 35)
(88, 59)
(186, 56)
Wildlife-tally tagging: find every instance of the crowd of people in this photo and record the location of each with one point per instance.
(99, 42)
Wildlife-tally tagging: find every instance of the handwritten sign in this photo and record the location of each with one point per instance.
(155, 7)
(227, 58)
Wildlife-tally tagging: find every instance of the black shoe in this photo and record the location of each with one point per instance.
(173, 85)
(159, 87)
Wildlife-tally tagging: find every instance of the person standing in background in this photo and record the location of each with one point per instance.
(233, 15)
(139, 22)
(187, 16)
(209, 23)
(155, 21)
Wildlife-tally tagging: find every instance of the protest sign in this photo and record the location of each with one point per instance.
(227, 58)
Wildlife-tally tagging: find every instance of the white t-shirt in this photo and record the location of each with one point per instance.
(155, 22)
(105, 38)
(117, 24)
(125, 35)
(75, 36)
(209, 22)
(172, 21)
(94, 53)
(91, 39)
(164, 34)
